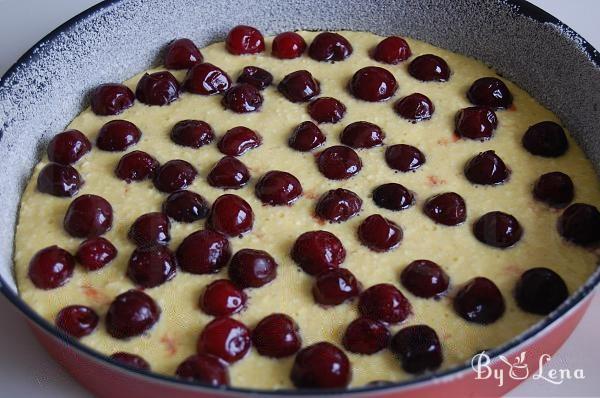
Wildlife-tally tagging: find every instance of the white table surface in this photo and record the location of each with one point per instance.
(27, 371)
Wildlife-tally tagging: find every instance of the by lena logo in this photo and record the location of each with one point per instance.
(519, 370)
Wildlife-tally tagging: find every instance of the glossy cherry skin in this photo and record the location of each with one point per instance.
(498, 229)
(479, 301)
(51, 267)
(252, 268)
(118, 135)
(580, 224)
(418, 348)
(366, 336)
(131, 314)
(95, 253)
(328, 46)
(222, 298)
(490, 92)
(429, 68)
(205, 369)
(255, 76)
(276, 336)
(487, 168)
(111, 99)
(150, 229)
(151, 266)
(339, 162)
(225, 338)
(159, 88)
(415, 107)
(404, 157)
(88, 216)
(174, 175)
(203, 252)
(299, 86)
(130, 360)
(228, 173)
(338, 205)
(242, 98)
(59, 180)
(318, 251)
(335, 286)
(326, 110)
(238, 141)
(446, 208)
(306, 137)
(555, 189)
(186, 206)
(321, 365)
(373, 84)
(392, 50)
(68, 147)
(77, 320)
(288, 45)
(136, 166)
(424, 278)
(278, 188)
(379, 234)
(540, 291)
(206, 79)
(244, 39)
(182, 54)
(362, 135)
(476, 123)
(385, 303)
(192, 133)
(231, 216)
(546, 139)
(393, 196)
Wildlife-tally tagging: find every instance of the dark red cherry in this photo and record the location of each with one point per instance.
(373, 83)
(276, 336)
(306, 137)
(362, 135)
(326, 110)
(118, 135)
(174, 175)
(318, 251)
(498, 229)
(299, 86)
(252, 268)
(404, 157)
(95, 253)
(238, 141)
(68, 147)
(192, 133)
(328, 46)
(278, 188)
(546, 139)
(418, 348)
(151, 266)
(366, 336)
(540, 291)
(580, 224)
(203, 252)
(130, 360)
(338, 205)
(486, 168)
(159, 88)
(479, 301)
(288, 45)
(111, 99)
(150, 229)
(424, 278)
(321, 365)
(205, 369)
(335, 286)
(476, 123)
(446, 208)
(415, 107)
(136, 166)
(429, 68)
(393, 196)
(59, 180)
(244, 39)
(206, 79)
(555, 189)
(221, 298)
(255, 76)
(490, 92)
(392, 50)
(88, 216)
(339, 162)
(231, 215)
(182, 54)
(243, 98)
(77, 320)
(228, 173)
(51, 267)
(131, 314)
(385, 303)
(379, 234)
(225, 338)
(186, 206)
